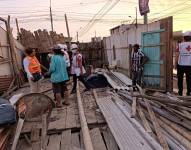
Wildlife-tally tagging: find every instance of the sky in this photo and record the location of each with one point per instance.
(83, 15)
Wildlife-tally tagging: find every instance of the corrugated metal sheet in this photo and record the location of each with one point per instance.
(5, 82)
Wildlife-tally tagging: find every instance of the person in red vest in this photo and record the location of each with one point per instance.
(183, 63)
(33, 69)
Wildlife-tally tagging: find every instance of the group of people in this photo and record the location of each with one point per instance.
(61, 67)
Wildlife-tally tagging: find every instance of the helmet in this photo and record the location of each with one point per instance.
(187, 33)
(62, 46)
(74, 46)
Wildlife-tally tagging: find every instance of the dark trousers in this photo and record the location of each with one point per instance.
(181, 70)
(136, 77)
(81, 78)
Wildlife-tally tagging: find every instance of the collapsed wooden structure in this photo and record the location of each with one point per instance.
(11, 76)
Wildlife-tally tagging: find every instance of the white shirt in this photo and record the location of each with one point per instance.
(26, 67)
(66, 56)
(184, 54)
(75, 69)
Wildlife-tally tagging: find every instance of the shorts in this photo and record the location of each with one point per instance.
(59, 87)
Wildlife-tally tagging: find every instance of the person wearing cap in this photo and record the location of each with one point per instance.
(183, 63)
(138, 59)
(77, 68)
(33, 69)
(59, 76)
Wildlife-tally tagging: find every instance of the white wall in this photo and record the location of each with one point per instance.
(121, 40)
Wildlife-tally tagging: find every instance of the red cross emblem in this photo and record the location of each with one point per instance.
(188, 48)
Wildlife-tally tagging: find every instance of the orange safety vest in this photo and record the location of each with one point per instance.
(34, 65)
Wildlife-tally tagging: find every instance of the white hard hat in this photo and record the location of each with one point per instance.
(74, 46)
(187, 33)
(63, 46)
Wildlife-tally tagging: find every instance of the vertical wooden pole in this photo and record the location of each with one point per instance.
(12, 52)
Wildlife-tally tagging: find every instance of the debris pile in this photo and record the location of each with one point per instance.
(165, 117)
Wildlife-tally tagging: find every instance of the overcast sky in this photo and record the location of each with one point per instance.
(34, 14)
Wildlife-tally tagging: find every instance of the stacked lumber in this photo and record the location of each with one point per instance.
(4, 136)
(42, 39)
(165, 117)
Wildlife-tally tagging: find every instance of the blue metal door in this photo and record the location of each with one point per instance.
(154, 70)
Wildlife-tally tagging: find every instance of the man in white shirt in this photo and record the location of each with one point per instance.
(77, 68)
(183, 63)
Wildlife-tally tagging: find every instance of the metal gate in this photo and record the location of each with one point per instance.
(154, 70)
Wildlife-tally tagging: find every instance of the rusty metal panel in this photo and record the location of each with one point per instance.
(5, 81)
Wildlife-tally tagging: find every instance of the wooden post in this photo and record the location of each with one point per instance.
(156, 125)
(17, 133)
(44, 132)
(12, 52)
(85, 130)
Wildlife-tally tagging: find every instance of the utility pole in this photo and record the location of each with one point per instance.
(145, 18)
(18, 32)
(51, 20)
(67, 27)
(77, 35)
(136, 17)
(68, 32)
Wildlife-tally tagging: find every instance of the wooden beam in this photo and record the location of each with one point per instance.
(144, 120)
(156, 125)
(85, 130)
(17, 133)
(44, 132)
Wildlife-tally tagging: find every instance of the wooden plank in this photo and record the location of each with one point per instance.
(66, 140)
(176, 135)
(59, 117)
(54, 142)
(160, 136)
(125, 108)
(97, 140)
(17, 133)
(70, 118)
(44, 131)
(178, 128)
(35, 139)
(144, 120)
(85, 130)
(76, 140)
(22, 145)
(134, 107)
(123, 131)
(109, 140)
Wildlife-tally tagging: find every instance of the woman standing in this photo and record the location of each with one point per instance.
(33, 70)
(59, 75)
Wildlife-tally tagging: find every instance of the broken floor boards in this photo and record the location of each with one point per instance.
(65, 141)
(126, 136)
